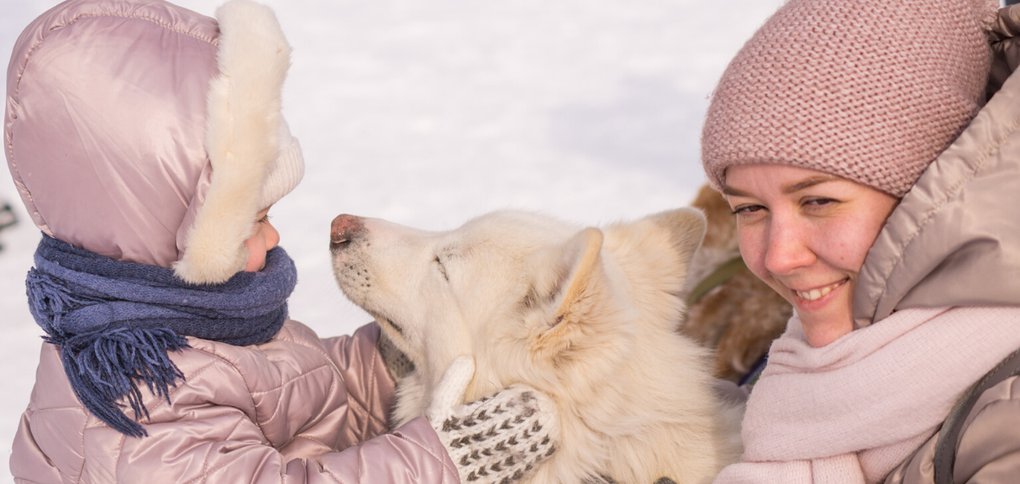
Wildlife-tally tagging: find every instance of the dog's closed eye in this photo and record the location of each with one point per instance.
(441, 267)
(530, 299)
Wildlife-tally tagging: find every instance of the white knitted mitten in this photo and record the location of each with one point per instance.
(496, 439)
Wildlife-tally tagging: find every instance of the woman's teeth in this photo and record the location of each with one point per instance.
(816, 294)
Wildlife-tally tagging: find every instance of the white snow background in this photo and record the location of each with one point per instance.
(428, 113)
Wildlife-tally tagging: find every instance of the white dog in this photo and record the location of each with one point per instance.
(588, 316)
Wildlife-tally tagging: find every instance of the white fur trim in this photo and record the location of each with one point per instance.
(242, 139)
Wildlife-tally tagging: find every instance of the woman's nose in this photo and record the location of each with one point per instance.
(788, 248)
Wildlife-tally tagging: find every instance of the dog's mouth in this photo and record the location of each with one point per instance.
(339, 245)
(386, 322)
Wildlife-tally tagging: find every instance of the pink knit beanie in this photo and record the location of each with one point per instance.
(869, 90)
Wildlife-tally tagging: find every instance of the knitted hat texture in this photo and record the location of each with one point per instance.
(868, 90)
(284, 173)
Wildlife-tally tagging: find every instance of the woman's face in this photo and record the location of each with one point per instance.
(264, 237)
(806, 233)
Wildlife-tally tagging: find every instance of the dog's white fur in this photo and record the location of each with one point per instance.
(588, 316)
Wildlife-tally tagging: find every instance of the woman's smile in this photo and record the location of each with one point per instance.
(817, 293)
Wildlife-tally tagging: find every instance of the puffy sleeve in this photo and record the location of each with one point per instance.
(172, 453)
(989, 447)
(277, 413)
(409, 454)
(370, 388)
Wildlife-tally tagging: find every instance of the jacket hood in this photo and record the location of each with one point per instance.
(954, 239)
(146, 132)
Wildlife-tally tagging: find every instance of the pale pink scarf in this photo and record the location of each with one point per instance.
(852, 411)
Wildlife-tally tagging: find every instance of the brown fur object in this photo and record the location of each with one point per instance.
(740, 317)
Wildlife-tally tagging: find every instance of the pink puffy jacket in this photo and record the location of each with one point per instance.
(105, 136)
(296, 409)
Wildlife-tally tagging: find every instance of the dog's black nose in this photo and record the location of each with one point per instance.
(344, 228)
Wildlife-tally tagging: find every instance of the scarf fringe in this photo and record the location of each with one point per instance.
(105, 366)
(114, 322)
(48, 299)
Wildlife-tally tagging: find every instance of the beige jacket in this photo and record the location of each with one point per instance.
(295, 409)
(955, 241)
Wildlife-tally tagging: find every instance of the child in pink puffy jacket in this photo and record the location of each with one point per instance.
(148, 145)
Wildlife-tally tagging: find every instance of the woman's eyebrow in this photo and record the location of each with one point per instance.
(808, 182)
(728, 190)
(788, 189)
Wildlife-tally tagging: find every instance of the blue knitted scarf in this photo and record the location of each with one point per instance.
(115, 322)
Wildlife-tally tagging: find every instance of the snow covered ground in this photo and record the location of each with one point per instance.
(428, 113)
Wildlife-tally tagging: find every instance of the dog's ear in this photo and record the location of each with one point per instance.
(721, 233)
(581, 259)
(568, 297)
(686, 228)
(657, 247)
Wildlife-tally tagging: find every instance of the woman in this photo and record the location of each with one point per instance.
(873, 188)
(147, 143)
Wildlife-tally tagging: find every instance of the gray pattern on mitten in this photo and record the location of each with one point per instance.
(497, 439)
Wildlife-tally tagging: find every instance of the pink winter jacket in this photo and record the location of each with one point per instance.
(105, 136)
(295, 409)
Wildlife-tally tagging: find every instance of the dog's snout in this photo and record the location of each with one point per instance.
(344, 228)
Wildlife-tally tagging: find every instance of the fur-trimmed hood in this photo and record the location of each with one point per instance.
(146, 132)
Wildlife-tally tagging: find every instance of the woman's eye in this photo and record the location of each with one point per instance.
(747, 209)
(818, 202)
(441, 267)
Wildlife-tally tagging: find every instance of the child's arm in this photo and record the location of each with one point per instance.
(370, 387)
